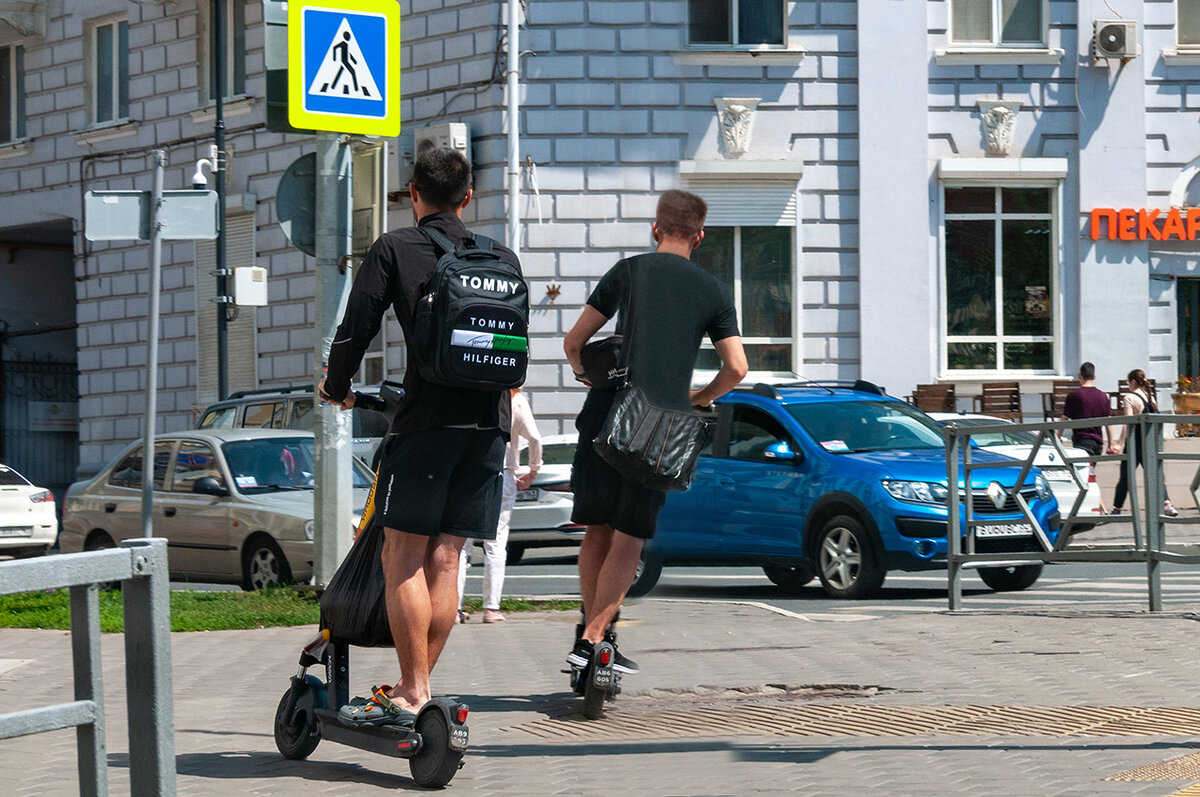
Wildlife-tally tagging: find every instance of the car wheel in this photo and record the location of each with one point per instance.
(1010, 579)
(790, 576)
(648, 570)
(847, 563)
(263, 564)
(513, 554)
(99, 541)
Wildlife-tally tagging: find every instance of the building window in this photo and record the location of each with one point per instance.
(234, 23)
(1000, 272)
(109, 63)
(12, 93)
(739, 24)
(1188, 31)
(998, 23)
(757, 265)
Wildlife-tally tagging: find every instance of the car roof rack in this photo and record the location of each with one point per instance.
(771, 389)
(271, 390)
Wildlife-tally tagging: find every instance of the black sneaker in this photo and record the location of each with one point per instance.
(623, 663)
(581, 654)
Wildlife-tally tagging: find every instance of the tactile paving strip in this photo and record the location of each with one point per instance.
(766, 719)
(1183, 768)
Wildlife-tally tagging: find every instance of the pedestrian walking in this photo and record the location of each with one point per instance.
(677, 303)
(1088, 401)
(1135, 402)
(524, 427)
(439, 479)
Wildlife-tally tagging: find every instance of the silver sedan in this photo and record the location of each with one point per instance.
(235, 505)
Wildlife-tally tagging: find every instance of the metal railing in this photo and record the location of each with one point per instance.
(141, 566)
(1148, 541)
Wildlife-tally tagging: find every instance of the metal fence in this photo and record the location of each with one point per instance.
(1148, 541)
(141, 566)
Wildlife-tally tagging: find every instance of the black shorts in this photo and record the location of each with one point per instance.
(442, 481)
(604, 496)
(1089, 444)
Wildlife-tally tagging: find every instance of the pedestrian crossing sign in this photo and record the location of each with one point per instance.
(344, 66)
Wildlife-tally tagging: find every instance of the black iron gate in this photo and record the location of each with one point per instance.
(1188, 303)
(39, 422)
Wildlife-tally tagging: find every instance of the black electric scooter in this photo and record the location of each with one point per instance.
(597, 682)
(434, 743)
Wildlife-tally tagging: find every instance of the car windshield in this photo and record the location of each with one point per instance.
(1006, 438)
(277, 463)
(848, 427)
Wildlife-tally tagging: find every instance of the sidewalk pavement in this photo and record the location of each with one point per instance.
(733, 699)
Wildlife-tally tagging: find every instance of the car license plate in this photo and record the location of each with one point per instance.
(527, 495)
(1003, 530)
(1057, 474)
(16, 531)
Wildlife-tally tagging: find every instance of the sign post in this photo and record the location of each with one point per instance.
(343, 78)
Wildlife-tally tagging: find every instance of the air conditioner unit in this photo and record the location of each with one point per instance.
(1115, 38)
(404, 150)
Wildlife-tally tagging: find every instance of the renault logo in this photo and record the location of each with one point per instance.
(997, 493)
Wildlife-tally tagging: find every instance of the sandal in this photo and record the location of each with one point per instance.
(378, 709)
(463, 617)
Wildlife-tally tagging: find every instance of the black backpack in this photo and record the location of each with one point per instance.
(472, 327)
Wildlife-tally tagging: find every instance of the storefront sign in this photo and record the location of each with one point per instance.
(1128, 224)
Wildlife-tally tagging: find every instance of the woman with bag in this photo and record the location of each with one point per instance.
(1135, 402)
(664, 306)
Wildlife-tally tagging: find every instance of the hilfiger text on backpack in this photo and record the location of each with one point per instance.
(472, 326)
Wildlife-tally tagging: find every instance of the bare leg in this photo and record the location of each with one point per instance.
(592, 553)
(612, 583)
(409, 612)
(441, 574)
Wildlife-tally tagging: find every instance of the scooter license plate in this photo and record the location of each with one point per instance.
(458, 738)
(602, 677)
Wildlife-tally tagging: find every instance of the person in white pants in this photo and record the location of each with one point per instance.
(523, 425)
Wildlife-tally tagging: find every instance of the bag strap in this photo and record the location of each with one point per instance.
(480, 242)
(627, 343)
(439, 240)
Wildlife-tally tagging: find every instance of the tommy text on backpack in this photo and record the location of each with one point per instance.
(472, 326)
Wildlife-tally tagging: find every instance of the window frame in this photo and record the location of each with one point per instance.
(733, 45)
(120, 70)
(235, 53)
(14, 54)
(1192, 47)
(996, 42)
(1056, 265)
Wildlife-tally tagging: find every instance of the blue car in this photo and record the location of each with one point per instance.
(839, 482)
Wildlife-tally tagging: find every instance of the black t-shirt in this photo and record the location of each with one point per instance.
(676, 303)
(397, 272)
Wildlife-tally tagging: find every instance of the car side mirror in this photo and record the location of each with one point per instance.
(207, 485)
(781, 452)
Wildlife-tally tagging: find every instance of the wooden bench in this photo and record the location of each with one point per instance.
(934, 398)
(1053, 402)
(1002, 399)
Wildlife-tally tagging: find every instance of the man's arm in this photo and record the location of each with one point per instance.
(733, 370)
(589, 323)
(368, 301)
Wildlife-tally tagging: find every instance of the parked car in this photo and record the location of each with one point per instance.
(840, 482)
(28, 525)
(290, 408)
(235, 505)
(541, 517)
(1018, 444)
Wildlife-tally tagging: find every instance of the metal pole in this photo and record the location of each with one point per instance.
(156, 199)
(953, 526)
(514, 127)
(218, 17)
(89, 685)
(1152, 445)
(331, 427)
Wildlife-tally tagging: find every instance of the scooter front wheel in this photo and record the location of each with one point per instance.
(435, 764)
(296, 731)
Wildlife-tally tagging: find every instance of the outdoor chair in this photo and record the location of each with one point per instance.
(1053, 402)
(1123, 388)
(1002, 399)
(934, 398)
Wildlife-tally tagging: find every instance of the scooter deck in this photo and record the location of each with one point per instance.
(398, 741)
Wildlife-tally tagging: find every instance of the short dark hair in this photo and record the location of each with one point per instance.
(442, 176)
(1087, 372)
(680, 214)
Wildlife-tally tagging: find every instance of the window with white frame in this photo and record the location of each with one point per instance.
(12, 93)
(234, 28)
(998, 23)
(1000, 272)
(108, 61)
(1188, 30)
(757, 263)
(737, 24)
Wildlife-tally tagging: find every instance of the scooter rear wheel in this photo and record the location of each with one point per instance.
(296, 731)
(435, 764)
(593, 700)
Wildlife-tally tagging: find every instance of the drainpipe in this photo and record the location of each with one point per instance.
(514, 127)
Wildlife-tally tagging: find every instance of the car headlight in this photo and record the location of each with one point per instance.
(1043, 487)
(917, 492)
(309, 526)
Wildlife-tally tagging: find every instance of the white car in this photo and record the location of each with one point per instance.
(541, 517)
(1017, 444)
(28, 524)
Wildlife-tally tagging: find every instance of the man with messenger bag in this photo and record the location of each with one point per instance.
(664, 305)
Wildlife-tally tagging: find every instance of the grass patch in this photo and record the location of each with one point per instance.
(210, 611)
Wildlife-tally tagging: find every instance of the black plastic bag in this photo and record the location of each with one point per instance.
(353, 605)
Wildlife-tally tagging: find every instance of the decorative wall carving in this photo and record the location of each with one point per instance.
(735, 118)
(999, 119)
